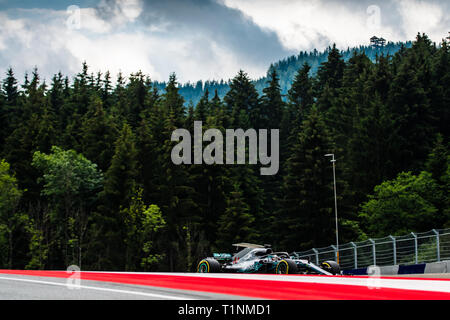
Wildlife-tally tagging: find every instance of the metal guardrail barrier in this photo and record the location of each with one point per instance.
(413, 248)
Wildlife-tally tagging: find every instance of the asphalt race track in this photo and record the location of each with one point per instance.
(43, 285)
(19, 287)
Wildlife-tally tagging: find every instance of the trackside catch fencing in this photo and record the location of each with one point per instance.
(412, 248)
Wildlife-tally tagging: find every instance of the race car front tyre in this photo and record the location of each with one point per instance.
(286, 266)
(331, 266)
(208, 265)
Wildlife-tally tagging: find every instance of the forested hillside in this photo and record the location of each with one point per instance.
(87, 177)
(286, 70)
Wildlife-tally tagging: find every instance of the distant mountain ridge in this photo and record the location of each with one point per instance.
(286, 69)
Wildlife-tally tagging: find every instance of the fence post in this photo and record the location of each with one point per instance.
(373, 252)
(394, 248)
(316, 254)
(416, 260)
(355, 254)
(335, 252)
(438, 253)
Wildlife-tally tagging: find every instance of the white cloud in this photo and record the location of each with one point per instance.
(120, 12)
(115, 52)
(89, 21)
(421, 16)
(305, 25)
(41, 38)
(131, 9)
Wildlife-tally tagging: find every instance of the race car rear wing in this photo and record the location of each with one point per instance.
(247, 245)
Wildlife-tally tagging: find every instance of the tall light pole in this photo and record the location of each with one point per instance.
(335, 204)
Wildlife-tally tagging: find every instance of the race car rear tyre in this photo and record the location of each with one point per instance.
(208, 265)
(286, 266)
(331, 266)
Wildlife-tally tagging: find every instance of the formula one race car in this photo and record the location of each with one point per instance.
(255, 258)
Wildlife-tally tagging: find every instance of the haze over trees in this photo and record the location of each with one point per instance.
(86, 175)
(286, 69)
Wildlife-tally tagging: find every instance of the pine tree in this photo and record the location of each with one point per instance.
(440, 96)
(306, 217)
(150, 139)
(381, 78)
(11, 113)
(35, 131)
(75, 107)
(173, 101)
(300, 101)
(330, 73)
(438, 159)
(202, 109)
(190, 117)
(242, 103)
(236, 224)
(410, 104)
(10, 88)
(57, 96)
(218, 112)
(47, 132)
(119, 185)
(368, 153)
(216, 103)
(106, 91)
(99, 133)
(243, 107)
(120, 178)
(272, 109)
(301, 95)
(118, 109)
(211, 182)
(3, 121)
(175, 197)
(81, 91)
(373, 129)
(345, 117)
(272, 105)
(329, 80)
(138, 91)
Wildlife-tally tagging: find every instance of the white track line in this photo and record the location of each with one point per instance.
(153, 295)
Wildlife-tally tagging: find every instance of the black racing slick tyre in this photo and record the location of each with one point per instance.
(208, 265)
(331, 266)
(286, 266)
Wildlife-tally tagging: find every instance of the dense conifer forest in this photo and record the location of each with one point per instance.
(286, 70)
(86, 176)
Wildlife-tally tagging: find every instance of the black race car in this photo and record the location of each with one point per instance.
(253, 258)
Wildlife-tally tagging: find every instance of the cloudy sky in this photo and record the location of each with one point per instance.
(198, 39)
